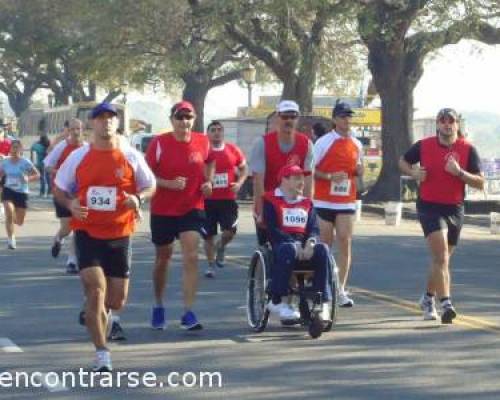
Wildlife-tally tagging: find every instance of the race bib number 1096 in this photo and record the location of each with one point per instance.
(294, 217)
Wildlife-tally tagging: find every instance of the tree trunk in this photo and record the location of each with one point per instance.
(289, 91)
(196, 93)
(19, 102)
(397, 114)
(300, 87)
(395, 80)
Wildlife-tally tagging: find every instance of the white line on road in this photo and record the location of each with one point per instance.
(47, 384)
(8, 346)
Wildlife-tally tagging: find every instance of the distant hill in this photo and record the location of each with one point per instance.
(483, 129)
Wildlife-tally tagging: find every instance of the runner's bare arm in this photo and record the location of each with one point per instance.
(308, 186)
(206, 187)
(258, 191)
(474, 180)
(242, 176)
(33, 174)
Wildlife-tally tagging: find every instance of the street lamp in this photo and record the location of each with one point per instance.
(248, 75)
(50, 98)
(124, 89)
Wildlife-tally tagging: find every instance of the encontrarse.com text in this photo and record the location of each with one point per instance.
(115, 379)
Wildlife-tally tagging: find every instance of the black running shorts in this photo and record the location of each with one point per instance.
(435, 217)
(20, 200)
(112, 255)
(165, 229)
(223, 213)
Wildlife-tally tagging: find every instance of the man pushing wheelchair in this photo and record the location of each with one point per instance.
(294, 237)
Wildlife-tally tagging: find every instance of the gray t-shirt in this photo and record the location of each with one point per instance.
(258, 155)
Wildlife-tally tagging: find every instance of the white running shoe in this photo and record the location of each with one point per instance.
(210, 271)
(428, 306)
(344, 300)
(103, 361)
(11, 243)
(109, 323)
(285, 311)
(325, 312)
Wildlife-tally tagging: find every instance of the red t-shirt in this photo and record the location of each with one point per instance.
(5, 147)
(440, 186)
(169, 158)
(227, 160)
(276, 159)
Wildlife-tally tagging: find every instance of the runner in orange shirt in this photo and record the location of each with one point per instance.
(338, 161)
(103, 185)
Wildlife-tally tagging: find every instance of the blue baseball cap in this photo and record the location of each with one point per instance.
(102, 108)
(342, 109)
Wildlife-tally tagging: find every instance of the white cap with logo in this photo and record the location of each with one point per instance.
(288, 106)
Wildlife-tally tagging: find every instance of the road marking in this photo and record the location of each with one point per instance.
(52, 388)
(462, 320)
(8, 346)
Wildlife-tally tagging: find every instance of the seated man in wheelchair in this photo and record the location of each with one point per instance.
(294, 235)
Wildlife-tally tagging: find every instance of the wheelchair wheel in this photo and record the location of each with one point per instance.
(316, 327)
(257, 298)
(334, 289)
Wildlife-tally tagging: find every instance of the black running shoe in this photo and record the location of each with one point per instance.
(116, 333)
(56, 249)
(81, 318)
(448, 314)
(71, 269)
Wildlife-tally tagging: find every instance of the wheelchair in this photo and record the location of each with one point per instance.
(309, 302)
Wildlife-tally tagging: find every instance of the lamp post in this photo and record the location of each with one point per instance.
(50, 98)
(124, 89)
(248, 75)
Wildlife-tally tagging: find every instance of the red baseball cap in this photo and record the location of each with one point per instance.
(181, 105)
(291, 170)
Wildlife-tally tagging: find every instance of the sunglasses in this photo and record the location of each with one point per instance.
(184, 117)
(288, 117)
(444, 120)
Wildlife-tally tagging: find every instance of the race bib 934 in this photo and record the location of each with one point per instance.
(101, 198)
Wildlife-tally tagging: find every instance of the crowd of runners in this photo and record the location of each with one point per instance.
(304, 204)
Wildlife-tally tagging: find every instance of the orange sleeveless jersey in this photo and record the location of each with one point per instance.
(334, 153)
(100, 179)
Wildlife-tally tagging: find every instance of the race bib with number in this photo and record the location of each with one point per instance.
(101, 198)
(221, 181)
(294, 217)
(342, 188)
(13, 182)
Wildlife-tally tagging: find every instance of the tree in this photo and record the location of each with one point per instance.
(22, 62)
(399, 34)
(297, 40)
(187, 44)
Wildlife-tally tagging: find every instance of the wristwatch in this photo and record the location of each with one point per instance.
(139, 198)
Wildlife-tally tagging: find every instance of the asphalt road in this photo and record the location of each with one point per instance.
(380, 349)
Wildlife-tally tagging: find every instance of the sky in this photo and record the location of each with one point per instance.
(465, 76)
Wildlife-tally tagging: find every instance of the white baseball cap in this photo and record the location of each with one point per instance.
(287, 106)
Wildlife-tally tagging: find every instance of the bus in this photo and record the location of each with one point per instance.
(50, 121)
